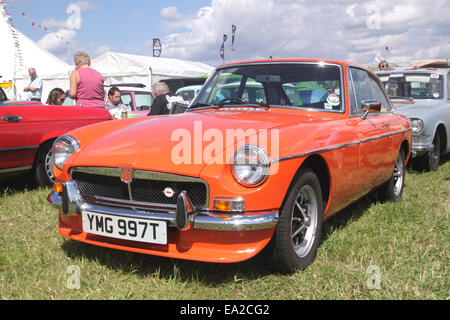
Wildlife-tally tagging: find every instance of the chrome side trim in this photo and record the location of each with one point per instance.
(19, 149)
(340, 146)
(17, 169)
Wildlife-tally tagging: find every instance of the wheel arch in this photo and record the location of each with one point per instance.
(319, 166)
(39, 151)
(443, 136)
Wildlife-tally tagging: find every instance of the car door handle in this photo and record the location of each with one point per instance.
(12, 118)
(386, 126)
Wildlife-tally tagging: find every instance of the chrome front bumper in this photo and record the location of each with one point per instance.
(185, 217)
(419, 149)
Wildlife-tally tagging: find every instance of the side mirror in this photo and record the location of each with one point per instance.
(370, 106)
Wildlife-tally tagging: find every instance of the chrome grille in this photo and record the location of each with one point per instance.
(146, 188)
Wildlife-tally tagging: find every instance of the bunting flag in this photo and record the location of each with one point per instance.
(222, 48)
(34, 24)
(233, 36)
(18, 56)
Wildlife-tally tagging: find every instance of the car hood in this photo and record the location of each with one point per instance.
(416, 108)
(176, 143)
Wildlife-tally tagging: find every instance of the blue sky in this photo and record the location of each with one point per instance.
(193, 30)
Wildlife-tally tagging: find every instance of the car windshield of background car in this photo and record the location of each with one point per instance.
(414, 85)
(143, 101)
(308, 85)
(126, 99)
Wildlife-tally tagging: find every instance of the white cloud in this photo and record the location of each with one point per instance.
(63, 41)
(347, 30)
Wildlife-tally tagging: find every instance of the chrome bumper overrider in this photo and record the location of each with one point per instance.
(418, 149)
(185, 217)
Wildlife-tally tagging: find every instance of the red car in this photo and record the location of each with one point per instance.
(27, 132)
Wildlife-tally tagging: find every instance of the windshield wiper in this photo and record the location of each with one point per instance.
(200, 105)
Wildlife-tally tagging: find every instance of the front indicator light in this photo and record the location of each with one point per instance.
(229, 205)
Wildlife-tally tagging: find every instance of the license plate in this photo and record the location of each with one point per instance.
(126, 228)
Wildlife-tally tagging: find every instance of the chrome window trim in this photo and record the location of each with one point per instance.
(323, 63)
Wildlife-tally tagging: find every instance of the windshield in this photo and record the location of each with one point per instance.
(413, 85)
(299, 85)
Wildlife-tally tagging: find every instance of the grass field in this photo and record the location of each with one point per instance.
(370, 250)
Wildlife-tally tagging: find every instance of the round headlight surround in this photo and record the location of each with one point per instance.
(250, 166)
(63, 148)
(417, 126)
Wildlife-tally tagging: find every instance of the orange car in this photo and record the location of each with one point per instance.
(266, 152)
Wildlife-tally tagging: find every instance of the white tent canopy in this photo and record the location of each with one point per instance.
(127, 68)
(53, 71)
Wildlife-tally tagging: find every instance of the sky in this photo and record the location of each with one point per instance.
(350, 30)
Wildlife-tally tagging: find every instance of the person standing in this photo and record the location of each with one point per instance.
(159, 106)
(86, 84)
(34, 89)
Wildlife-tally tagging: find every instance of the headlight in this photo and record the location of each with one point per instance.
(250, 166)
(63, 147)
(417, 125)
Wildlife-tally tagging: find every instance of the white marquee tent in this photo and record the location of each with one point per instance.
(127, 68)
(53, 71)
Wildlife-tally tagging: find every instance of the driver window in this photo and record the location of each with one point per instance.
(367, 88)
(379, 95)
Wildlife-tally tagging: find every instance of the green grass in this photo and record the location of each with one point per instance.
(407, 241)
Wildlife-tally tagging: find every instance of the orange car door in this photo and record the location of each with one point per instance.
(374, 136)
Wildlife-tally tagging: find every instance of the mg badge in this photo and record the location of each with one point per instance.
(126, 175)
(168, 192)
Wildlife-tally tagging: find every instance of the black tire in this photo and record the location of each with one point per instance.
(293, 248)
(431, 160)
(44, 166)
(393, 189)
(434, 156)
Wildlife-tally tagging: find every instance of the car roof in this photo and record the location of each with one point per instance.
(442, 71)
(291, 60)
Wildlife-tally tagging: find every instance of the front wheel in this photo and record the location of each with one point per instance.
(434, 156)
(299, 228)
(44, 166)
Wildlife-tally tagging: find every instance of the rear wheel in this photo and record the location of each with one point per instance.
(299, 228)
(44, 166)
(393, 190)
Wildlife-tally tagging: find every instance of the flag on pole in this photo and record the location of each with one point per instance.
(157, 48)
(222, 48)
(233, 36)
